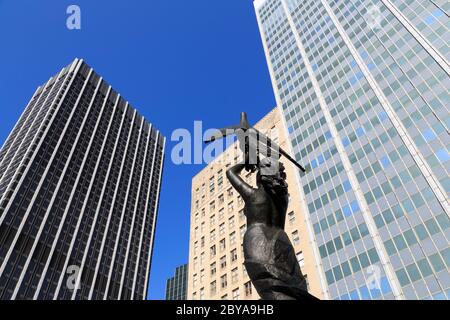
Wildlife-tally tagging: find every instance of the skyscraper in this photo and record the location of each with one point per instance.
(218, 225)
(364, 91)
(80, 177)
(176, 286)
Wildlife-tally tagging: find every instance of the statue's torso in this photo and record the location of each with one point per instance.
(259, 208)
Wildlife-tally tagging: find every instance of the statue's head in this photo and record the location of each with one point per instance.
(273, 181)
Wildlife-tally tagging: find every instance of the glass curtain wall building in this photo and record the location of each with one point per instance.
(80, 176)
(176, 286)
(364, 90)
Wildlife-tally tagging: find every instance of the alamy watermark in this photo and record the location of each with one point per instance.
(374, 17)
(190, 148)
(74, 278)
(373, 280)
(73, 21)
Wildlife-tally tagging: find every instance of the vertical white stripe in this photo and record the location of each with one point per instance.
(138, 197)
(103, 193)
(155, 212)
(144, 220)
(58, 187)
(346, 163)
(58, 233)
(127, 195)
(61, 278)
(113, 199)
(34, 141)
(88, 244)
(403, 133)
(24, 126)
(313, 243)
(437, 56)
(36, 192)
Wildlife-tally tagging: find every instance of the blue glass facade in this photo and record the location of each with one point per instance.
(363, 87)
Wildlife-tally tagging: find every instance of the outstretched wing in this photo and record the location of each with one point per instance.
(222, 133)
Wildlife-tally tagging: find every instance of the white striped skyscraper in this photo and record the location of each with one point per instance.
(80, 176)
(364, 90)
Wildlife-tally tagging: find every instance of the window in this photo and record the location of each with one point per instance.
(221, 199)
(236, 294)
(195, 263)
(202, 276)
(213, 287)
(194, 280)
(223, 281)
(241, 214)
(202, 294)
(195, 247)
(231, 222)
(295, 238)
(202, 258)
(234, 275)
(233, 255)
(219, 180)
(242, 230)
(274, 134)
(232, 238)
(212, 206)
(212, 235)
(248, 288)
(202, 242)
(212, 220)
(223, 262)
(301, 259)
(230, 207)
(222, 245)
(291, 217)
(230, 192)
(222, 229)
(212, 251)
(239, 200)
(221, 214)
(211, 185)
(213, 268)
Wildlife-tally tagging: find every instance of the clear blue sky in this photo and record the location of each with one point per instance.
(176, 61)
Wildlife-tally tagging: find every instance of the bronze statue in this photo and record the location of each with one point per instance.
(270, 258)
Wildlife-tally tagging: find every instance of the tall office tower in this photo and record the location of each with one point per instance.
(176, 286)
(363, 88)
(218, 225)
(79, 184)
